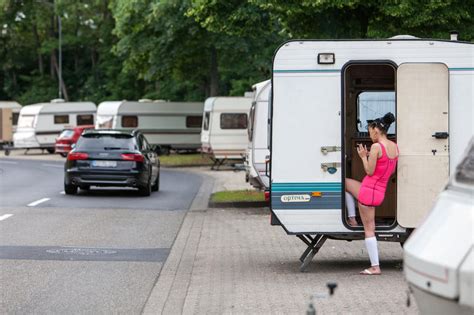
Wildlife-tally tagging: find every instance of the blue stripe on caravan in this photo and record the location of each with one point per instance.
(328, 200)
(306, 187)
(461, 69)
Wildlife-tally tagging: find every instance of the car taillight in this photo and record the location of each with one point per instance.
(74, 156)
(133, 157)
(267, 195)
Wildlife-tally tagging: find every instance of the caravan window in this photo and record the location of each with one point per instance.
(105, 122)
(15, 117)
(251, 120)
(61, 119)
(207, 117)
(373, 105)
(193, 121)
(234, 121)
(26, 121)
(85, 120)
(130, 121)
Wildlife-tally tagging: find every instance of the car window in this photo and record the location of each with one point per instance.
(146, 145)
(101, 142)
(68, 133)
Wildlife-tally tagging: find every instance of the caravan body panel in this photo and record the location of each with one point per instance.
(306, 115)
(40, 124)
(15, 107)
(226, 119)
(173, 124)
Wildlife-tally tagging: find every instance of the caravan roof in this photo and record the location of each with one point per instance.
(221, 103)
(134, 107)
(56, 107)
(9, 104)
(261, 91)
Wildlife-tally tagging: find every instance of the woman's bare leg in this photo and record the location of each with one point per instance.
(367, 215)
(353, 187)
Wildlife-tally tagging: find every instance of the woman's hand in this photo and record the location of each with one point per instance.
(362, 151)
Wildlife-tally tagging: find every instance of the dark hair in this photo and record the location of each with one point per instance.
(383, 123)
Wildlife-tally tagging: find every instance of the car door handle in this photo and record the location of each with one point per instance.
(440, 135)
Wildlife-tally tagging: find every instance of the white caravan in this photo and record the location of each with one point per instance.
(439, 257)
(257, 151)
(171, 125)
(224, 128)
(15, 108)
(323, 95)
(40, 124)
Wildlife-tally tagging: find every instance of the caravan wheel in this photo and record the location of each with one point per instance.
(50, 150)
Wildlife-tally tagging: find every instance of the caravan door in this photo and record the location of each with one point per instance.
(422, 136)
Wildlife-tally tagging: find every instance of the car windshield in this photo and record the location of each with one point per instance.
(101, 142)
(68, 133)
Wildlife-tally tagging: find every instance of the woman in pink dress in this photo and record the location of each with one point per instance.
(379, 164)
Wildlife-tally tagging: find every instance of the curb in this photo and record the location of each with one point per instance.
(239, 204)
(185, 166)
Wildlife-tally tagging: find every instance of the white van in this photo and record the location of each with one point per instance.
(324, 92)
(171, 125)
(224, 129)
(40, 124)
(257, 150)
(439, 257)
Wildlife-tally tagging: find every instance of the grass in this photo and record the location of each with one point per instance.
(238, 196)
(185, 160)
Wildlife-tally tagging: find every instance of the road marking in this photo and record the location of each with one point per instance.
(8, 162)
(53, 165)
(37, 202)
(5, 216)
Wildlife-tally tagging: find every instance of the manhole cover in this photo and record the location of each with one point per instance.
(81, 251)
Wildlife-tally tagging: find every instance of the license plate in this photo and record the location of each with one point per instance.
(104, 163)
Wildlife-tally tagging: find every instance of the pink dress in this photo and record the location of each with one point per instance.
(372, 189)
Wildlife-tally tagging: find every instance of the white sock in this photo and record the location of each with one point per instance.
(371, 244)
(350, 204)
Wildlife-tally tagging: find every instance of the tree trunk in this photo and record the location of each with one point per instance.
(38, 47)
(214, 75)
(63, 86)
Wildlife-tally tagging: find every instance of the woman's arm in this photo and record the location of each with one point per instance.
(369, 159)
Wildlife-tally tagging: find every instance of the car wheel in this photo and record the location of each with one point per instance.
(63, 154)
(156, 185)
(70, 189)
(145, 190)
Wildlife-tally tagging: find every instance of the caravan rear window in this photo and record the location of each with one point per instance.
(372, 105)
(193, 121)
(61, 119)
(85, 120)
(26, 121)
(130, 121)
(207, 117)
(234, 121)
(15, 117)
(105, 122)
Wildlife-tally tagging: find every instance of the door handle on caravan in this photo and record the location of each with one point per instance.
(440, 135)
(330, 167)
(325, 150)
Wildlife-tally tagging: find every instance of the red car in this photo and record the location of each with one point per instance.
(68, 137)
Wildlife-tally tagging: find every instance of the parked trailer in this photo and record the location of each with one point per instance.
(321, 89)
(439, 258)
(257, 150)
(40, 124)
(224, 130)
(9, 112)
(171, 125)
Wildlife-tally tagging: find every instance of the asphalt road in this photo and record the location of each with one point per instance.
(95, 252)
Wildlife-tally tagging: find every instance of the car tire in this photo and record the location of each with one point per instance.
(63, 154)
(70, 189)
(145, 190)
(156, 184)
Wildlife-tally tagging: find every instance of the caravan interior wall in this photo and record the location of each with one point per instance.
(176, 125)
(40, 124)
(313, 87)
(224, 130)
(259, 131)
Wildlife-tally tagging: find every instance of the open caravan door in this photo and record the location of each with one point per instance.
(422, 136)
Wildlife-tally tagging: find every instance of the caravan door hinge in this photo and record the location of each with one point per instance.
(330, 167)
(325, 150)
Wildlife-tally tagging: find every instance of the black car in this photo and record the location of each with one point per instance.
(112, 158)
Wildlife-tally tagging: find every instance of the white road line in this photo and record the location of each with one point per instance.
(8, 162)
(5, 216)
(37, 202)
(53, 165)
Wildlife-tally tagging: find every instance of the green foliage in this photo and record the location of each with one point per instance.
(187, 49)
